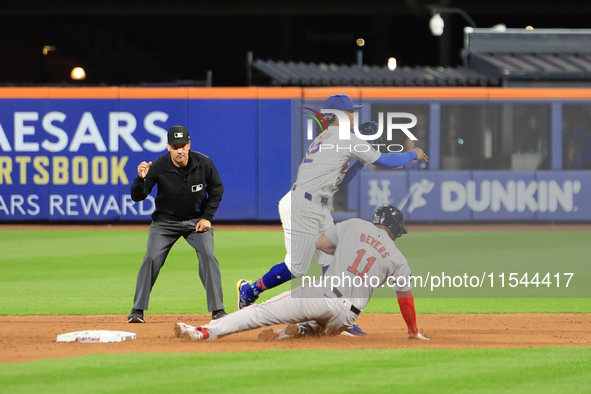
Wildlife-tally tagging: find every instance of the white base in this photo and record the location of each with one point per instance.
(95, 336)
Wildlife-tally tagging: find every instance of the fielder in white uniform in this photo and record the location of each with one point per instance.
(304, 210)
(365, 258)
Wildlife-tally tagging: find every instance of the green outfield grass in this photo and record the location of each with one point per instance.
(541, 370)
(90, 272)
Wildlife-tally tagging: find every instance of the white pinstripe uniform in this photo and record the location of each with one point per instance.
(362, 248)
(304, 210)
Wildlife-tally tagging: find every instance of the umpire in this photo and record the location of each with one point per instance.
(189, 193)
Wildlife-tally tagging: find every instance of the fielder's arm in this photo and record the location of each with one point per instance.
(351, 172)
(390, 160)
(368, 128)
(326, 245)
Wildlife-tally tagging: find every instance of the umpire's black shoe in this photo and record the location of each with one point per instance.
(218, 314)
(136, 316)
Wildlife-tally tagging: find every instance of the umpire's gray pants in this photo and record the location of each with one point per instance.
(161, 238)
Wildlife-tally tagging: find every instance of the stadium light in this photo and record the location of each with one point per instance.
(392, 63)
(78, 74)
(436, 23)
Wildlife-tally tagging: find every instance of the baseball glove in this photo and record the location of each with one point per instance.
(369, 128)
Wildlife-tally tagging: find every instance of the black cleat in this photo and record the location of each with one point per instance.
(218, 314)
(136, 316)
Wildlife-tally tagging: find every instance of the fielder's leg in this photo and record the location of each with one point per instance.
(326, 221)
(301, 233)
(325, 260)
(248, 292)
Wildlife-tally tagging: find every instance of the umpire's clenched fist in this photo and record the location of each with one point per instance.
(143, 168)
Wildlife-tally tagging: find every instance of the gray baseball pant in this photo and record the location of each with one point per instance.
(161, 238)
(300, 305)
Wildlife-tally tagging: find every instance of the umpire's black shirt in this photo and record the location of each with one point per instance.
(191, 192)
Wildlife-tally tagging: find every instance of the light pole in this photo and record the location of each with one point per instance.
(437, 26)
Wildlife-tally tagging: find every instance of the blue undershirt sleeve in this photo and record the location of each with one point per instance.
(351, 172)
(389, 160)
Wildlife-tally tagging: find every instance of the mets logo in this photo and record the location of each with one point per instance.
(379, 194)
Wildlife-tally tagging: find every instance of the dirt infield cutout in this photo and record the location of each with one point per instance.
(26, 338)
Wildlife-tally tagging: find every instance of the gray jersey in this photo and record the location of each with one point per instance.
(364, 249)
(361, 248)
(327, 161)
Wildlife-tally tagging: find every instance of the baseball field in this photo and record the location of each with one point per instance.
(59, 279)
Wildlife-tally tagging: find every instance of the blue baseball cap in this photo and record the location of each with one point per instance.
(342, 102)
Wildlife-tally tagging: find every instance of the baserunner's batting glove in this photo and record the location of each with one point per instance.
(416, 334)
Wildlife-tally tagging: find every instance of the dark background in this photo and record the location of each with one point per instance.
(129, 42)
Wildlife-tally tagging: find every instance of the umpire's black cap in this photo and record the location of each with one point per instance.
(178, 135)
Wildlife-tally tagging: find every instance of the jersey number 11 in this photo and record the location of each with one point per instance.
(353, 268)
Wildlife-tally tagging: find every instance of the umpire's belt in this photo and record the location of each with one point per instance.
(354, 309)
(308, 196)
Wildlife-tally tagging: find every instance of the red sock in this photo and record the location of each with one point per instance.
(203, 331)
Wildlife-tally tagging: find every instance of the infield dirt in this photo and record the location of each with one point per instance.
(26, 338)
